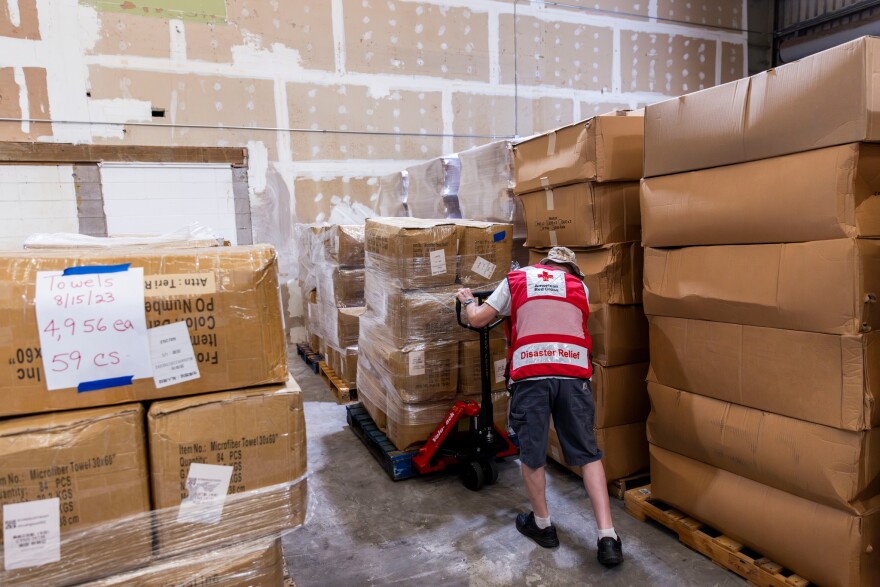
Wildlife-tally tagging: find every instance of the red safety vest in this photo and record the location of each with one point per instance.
(547, 329)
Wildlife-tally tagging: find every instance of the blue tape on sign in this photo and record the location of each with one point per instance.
(87, 269)
(104, 383)
(500, 236)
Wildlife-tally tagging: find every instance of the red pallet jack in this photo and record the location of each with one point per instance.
(468, 437)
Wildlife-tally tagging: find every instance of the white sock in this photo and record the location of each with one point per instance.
(606, 533)
(542, 522)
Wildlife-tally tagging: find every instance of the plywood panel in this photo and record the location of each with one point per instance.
(316, 198)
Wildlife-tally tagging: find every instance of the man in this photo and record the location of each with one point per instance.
(550, 370)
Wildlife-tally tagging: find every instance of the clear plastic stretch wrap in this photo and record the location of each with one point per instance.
(343, 361)
(486, 189)
(225, 469)
(433, 188)
(393, 191)
(193, 235)
(415, 359)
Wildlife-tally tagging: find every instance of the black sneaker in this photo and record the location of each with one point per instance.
(610, 551)
(526, 525)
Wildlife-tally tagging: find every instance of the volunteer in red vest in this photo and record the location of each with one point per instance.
(550, 370)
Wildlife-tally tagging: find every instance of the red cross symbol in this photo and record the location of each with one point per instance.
(545, 276)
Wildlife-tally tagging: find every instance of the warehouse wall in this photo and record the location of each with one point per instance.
(327, 95)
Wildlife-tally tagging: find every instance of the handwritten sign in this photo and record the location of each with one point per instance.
(93, 328)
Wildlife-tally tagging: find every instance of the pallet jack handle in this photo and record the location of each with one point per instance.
(487, 415)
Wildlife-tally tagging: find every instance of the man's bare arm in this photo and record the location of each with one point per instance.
(478, 314)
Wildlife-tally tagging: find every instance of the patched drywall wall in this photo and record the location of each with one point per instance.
(329, 95)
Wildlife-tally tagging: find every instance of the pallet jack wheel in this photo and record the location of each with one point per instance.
(472, 475)
(490, 470)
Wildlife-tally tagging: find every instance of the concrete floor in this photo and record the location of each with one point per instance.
(364, 529)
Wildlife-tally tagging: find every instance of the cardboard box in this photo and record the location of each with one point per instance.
(343, 361)
(95, 463)
(410, 425)
(243, 565)
(821, 378)
(340, 287)
(417, 373)
(613, 273)
(407, 251)
(620, 394)
(608, 147)
(822, 286)
(582, 215)
(486, 188)
(823, 464)
(341, 325)
(433, 188)
(469, 378)
(824, 545)
(822, 100)
(345, 245)
(624, 450)
(817, 195)
(371, 393)
(619, 333)
(260, 432)
(485, 252)
(228, 296)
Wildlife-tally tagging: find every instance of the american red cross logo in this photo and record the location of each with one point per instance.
(545, 276)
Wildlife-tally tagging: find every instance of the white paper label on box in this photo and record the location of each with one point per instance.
(483, 267)
(500, 364)
(93, 327)
(417, 363)
(438, 262)
(171, 352)
(207, 486)
(31, 533)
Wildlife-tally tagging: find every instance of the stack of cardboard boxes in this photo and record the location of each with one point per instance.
(760, 207)
(579, 189)
(432, 188)
(415, 360)
(87, 486)
(338, 268)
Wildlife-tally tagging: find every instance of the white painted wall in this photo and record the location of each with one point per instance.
(148, 198)
(35, 198)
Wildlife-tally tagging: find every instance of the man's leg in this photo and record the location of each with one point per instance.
(536, 484)
(597, 489)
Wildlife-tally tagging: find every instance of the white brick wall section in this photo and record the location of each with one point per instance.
(36, 198)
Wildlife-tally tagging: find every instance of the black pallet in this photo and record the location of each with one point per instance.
(311, 358)
(398, 464)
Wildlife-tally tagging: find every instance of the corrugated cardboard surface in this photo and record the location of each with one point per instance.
(819, 286)
(343, 361)
(604, 148)
(95, 463)
(624, 448)
(340, 287)
(243, 565)
(619, 333)
(482, 243)
(469, 378)
(582, 215)
(345, 245)
(821, 544)
(341, 325)
(620, 394)
(821, 378)
(236, 331)
(613, 273)
(260, 432)
(823, 194)
(400, 248)
(826, 99)
(834, 467)
(371, 393)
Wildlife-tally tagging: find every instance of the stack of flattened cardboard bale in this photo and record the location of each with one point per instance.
(415, 360)
(760, 207)
(579, 189)
(338, 267)
(94, 468)
(486, 191)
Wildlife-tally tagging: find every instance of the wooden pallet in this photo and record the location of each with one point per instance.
(310, 357)
(618, 487)
(344, 394)
(721, 549)
(398, 464)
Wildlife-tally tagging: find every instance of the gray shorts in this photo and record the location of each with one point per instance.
(570, 402)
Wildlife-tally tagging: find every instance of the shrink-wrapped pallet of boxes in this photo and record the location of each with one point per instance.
(432, 188)
(411, 347)
(579, 189)
(761, 283)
